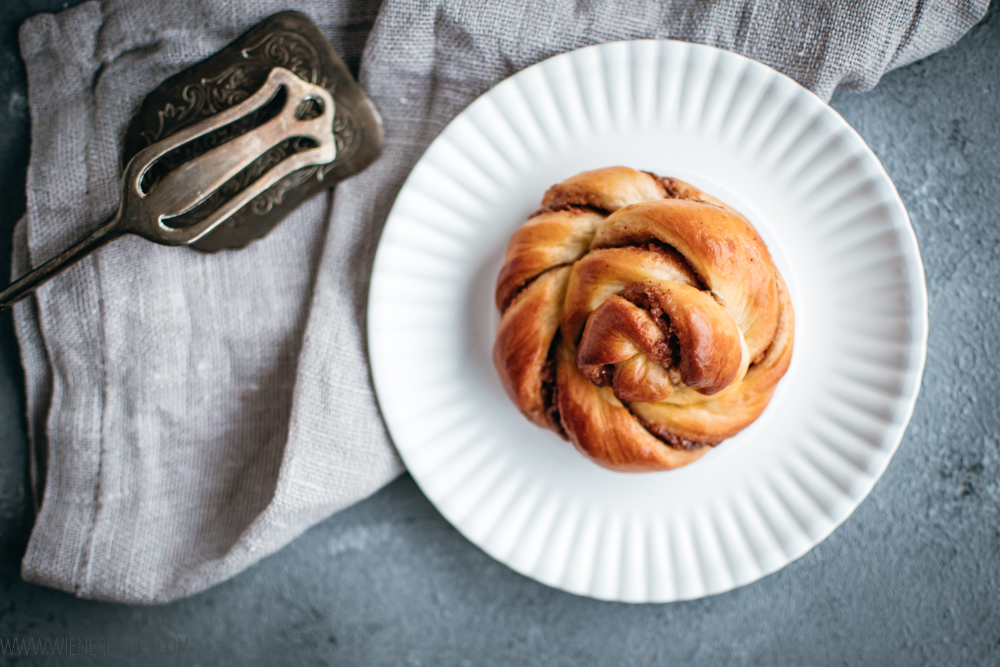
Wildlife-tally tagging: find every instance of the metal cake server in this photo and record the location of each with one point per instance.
(222, 152)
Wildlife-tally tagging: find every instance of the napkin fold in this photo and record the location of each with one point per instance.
(190, 414)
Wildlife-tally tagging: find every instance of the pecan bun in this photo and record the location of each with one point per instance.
(642, 319)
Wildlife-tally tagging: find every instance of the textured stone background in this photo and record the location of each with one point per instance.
(910, 578)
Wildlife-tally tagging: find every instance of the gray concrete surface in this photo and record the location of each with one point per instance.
(911, 578)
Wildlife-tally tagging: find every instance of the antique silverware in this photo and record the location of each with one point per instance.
(220, 153)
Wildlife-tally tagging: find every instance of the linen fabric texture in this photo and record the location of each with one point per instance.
(190, 414)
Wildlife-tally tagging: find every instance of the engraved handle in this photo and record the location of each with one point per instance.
(28, 283)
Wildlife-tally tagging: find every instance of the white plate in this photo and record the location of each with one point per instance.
(836, 229)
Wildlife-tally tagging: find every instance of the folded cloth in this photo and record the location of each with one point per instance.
(190, 414)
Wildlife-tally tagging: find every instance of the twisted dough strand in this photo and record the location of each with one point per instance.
(641, 318)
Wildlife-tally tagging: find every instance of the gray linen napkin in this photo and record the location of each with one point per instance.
(191, 414)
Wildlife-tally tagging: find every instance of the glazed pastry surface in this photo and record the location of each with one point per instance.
(642, 319)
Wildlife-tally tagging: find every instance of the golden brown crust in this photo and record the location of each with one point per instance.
(604, 430)
(546, 240)
(723, 249)
(626, 338)
(523, 341)
(606, 189)
(727, 413)
(642, 318)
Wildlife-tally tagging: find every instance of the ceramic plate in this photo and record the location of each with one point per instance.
(836, 228)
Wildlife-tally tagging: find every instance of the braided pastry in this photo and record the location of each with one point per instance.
(642, 319)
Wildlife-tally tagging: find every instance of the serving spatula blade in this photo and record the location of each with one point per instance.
(219, 154)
